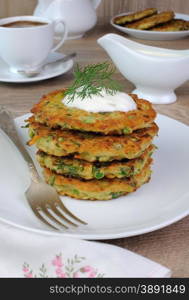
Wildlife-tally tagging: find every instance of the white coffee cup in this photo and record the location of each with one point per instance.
(26, 48)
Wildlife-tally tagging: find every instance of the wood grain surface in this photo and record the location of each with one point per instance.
(107, 8)
(168, 246)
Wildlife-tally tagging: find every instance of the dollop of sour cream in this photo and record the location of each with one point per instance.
(103, 103)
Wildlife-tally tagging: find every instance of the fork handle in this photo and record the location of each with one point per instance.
(8, 126)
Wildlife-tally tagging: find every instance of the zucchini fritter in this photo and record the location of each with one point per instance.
(104, 189)
(152, 21)
(86, 170)
(121, 20)
(173, 25)
(51, 112)
(89, 146)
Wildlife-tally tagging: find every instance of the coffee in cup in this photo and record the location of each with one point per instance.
(26, 41)
(23, 24)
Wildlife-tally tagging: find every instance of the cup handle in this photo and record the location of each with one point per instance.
(65, 33)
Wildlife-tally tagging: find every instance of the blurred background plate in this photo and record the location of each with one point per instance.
(153, 35)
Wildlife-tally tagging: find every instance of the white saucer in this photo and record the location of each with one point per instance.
(48, 72)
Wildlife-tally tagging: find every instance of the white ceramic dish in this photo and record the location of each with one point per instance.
(163, 201)
(48, 72)
(27, 48)
(152, 35)
(79, 16)
(148, 67)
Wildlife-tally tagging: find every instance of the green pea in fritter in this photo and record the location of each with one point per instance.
(86, 170)
(89, 146)
(53, 112)
(104, 189)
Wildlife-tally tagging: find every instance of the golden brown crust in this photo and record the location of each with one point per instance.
(86, 170)
(121, 20)
(52, 112)
(152, 21)
(91, 147)
(104, 189)
(173, 25)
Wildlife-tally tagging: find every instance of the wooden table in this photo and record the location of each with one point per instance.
(168, 246)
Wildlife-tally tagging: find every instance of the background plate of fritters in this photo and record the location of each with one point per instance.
(150, 34)
(121, 20)
(149, 22)
(162, 201)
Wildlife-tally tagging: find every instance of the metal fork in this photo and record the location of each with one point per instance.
(42, 198)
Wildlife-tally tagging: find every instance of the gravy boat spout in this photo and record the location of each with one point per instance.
(156, 72)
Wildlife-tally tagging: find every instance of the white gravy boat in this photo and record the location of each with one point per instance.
(156, 72)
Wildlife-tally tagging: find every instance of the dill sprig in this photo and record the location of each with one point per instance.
(91, 80)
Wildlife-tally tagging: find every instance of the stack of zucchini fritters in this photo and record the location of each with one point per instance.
(95, 156)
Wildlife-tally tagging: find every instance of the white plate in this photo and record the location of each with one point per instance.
(48, 72)
(164, 200)
(153, 35)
